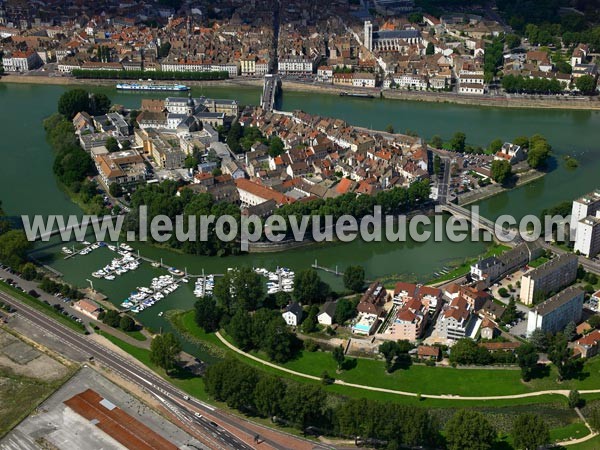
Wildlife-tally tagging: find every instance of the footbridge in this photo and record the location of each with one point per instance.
(271, 88)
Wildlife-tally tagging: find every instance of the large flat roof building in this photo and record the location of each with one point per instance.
(555, 313)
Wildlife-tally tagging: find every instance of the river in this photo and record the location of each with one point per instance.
(28, 186)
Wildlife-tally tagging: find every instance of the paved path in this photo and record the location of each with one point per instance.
(563, 392)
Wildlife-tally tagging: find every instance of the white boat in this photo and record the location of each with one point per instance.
(160, 314)
(109, 277)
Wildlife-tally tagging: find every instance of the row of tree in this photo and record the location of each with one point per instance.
(114, 319)
(307, 405)
(310, 408)
(144, 74)
(518, 83)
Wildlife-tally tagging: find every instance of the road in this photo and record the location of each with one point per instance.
(176, 400)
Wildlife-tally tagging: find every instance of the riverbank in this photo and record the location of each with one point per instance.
(495, 189)
(522, 102)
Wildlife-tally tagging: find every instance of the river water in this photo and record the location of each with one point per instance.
(27, 185)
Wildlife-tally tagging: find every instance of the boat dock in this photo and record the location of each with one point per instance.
(335, 271)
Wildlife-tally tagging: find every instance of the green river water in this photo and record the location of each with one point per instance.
(27, 185)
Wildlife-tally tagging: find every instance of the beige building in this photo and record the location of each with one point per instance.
(549, 277)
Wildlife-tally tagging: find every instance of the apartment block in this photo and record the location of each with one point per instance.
(549, 277)
(587, 241)
(555, 313)
(583, 207)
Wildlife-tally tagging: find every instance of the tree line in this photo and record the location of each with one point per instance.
(311, 409)
(307, 406)
(147, 74)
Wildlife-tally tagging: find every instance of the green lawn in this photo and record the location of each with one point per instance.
(575, 430)
(192, 385)
(41, 306)
(538, 262)
(464, 268)
(136, 334)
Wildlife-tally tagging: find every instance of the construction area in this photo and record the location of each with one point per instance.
(89, 411)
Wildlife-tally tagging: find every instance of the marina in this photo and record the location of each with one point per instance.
(282, 280)
(145, 297)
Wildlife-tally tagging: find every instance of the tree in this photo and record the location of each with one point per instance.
(530, 432)
(110, 318)
(345, 310)
(268, 394)
(276, 146)
(112, 145)
(190, 162)
(354, 278)
(495, 146)
(207, 314)
(574, 399)
(308, 287)
(570, 331)
(415, 17)
(389, 128)
(240, 329)
(98, 104)
(560, 355)
(527, 358)
(239, 289)
(586, 84)
(310, 323)
(437, 165)
(469, 430)
(13, 248)
(539, 151)
(338, 356)
(511, 313)
(430, 50)
(512, 41)
(436, 142)
(28, 271)
(72, 102)
(501, 171)
(388, 350)
(126, 323)
(458, 142)
(466, 351)
(115, 189)
(303, 403)
(594, 321)
(164, 351)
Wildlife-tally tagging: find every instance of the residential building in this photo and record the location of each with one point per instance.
(587, 241)
(293, 314)
(121, 167)
(588, 345)
(428, 352)
(252, 194)
(555, 313)
(511, 153)
(583, 207)
(456, 321)
(551, 276)
(372, 300)
(327, 313)
(409, 323)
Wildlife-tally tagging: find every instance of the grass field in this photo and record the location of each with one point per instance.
(436, 380)
(41, 306)
(575, 430)
(20, 395)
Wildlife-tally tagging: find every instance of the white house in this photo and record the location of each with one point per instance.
(292, 314)
(327, 313)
